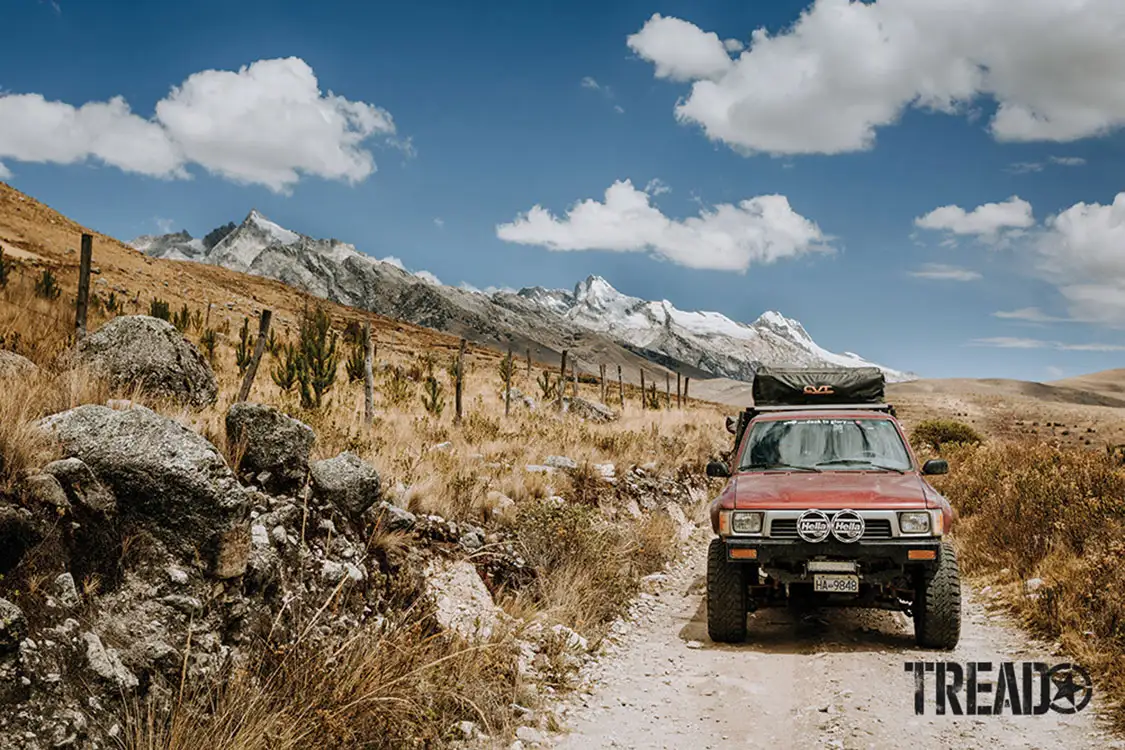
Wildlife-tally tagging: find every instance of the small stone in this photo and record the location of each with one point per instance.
(44, 489)
(233, 552)
(66, 591)
(13, 626)
(176, 575)
(560, 462)
(530, 735)
(694, 645)
(106, 664)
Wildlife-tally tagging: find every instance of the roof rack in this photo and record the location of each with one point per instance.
(821, 407)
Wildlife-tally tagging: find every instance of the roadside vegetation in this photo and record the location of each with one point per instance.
(403, 684)
(1043, 526)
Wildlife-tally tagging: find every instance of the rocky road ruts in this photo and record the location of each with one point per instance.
(831, 679)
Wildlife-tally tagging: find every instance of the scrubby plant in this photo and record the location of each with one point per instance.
(47, 286)
(432, 400)
(273, 343)
(209, 340)
(354, 365)
(5, 269)
(284, 371)
(244, 350)
(546, 383)
(935, 433)
(396, 387)
(182, 319)
(318, 357)
(158, 308)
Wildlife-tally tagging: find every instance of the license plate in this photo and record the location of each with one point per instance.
(836, 584)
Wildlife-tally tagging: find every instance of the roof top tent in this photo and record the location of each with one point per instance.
(809, 388)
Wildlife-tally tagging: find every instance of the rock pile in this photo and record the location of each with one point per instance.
(158, 561)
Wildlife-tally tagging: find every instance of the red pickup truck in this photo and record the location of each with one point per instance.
(826, 505)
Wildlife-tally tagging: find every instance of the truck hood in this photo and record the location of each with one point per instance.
(829, 490)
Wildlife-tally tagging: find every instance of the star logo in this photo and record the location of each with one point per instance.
(1073, 688)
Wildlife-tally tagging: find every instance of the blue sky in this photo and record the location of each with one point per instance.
(492, 117)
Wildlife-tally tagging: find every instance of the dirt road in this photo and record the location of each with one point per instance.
(835, 679)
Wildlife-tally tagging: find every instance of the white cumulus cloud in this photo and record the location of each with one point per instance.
(986, 220)
(4, 173)
(1080, 250)
(681, 50)
(267, 123)
(726, 237)
(1056, 71)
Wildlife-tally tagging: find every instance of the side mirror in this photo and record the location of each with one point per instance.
(718, 469)
(732, 425)
(936, 466)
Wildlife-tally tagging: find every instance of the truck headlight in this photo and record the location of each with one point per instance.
(746, 522)
(914, 522)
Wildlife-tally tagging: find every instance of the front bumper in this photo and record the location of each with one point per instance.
(875, 562)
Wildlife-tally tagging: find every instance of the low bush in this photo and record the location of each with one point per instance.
(935, 433)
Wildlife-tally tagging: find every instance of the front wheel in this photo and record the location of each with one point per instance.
(937, 604)
(726, 596)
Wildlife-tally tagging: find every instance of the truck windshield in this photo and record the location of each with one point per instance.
(825, 444)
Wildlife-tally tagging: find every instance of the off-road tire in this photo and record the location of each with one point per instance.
(726, 596)
(937, 604)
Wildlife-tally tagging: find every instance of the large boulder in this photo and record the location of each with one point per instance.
(15, 365)
(591, 411)
(138, 350)
(346, 481)
(161, 473)
(270, 443)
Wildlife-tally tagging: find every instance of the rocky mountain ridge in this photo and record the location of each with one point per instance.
(596, 322)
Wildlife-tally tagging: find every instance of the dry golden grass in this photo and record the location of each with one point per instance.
(1032, 510)
(406, 686)
(403, 687)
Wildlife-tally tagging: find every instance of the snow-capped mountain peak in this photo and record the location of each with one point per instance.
(274, 231)
(658, 330)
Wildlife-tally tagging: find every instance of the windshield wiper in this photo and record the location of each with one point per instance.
(786, 467)
(852, 461)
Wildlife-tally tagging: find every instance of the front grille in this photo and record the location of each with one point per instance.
(786, 528)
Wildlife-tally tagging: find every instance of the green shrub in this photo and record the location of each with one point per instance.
(47, 286)
(934, 433)
(158, 308)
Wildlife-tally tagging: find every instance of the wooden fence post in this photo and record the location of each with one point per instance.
(679, 396)
(529, 362)
(644, 397)
(508, 384)
(83, 286)
(562, 380)
(368, 375)
(601, 369)
(668, 389)
(620, 387)
(459, 384)
(574, 378)
(259, 347)
(687, 382)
